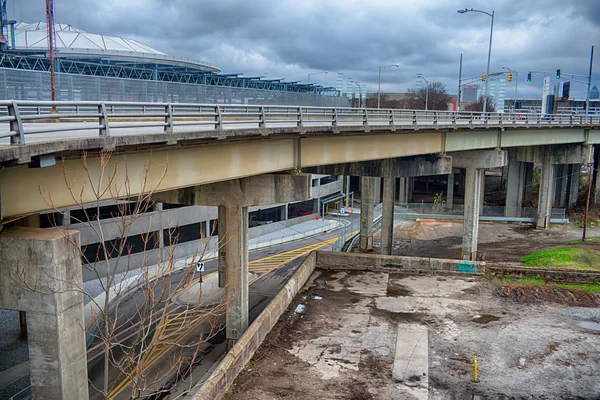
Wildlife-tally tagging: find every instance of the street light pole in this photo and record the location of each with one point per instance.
(426, 90)
(315, 73)
(459, 86)
(487, 82)
(587, 99)
(379, 82)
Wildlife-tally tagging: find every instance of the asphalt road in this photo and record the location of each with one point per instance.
(260, 292)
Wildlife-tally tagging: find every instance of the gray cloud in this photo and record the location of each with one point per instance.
(290, 39)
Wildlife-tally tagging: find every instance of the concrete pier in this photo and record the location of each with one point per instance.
(40, 273)
(367, 204)
(387, 212)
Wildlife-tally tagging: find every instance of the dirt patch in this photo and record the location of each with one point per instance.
(343, 346)
(497, 241)
(533, 294)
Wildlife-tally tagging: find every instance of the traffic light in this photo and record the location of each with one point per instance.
(529, 77)
(558, 73)
(483, 77)
(509, 77)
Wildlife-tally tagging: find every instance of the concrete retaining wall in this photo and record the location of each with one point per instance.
(376, 262)
(228, 369)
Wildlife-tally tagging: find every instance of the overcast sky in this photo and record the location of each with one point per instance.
(289, 39)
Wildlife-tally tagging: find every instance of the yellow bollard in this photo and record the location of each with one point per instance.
(475, 370)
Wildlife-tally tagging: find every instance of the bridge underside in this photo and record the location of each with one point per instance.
(138, 164)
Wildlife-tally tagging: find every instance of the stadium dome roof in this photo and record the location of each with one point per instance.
(74, 42)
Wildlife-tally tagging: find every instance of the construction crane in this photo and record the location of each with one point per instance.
(51, 32)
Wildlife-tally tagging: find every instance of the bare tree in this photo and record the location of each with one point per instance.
(478, 105)
(437, 98)
(137, 319)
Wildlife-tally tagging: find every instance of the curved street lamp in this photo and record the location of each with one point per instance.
(487, 74)
(379, 82)
(315, 73)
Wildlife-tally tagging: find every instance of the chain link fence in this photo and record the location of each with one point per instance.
(35, 85)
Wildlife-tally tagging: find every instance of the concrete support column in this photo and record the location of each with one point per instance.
(473, 177)
(66, 219)
(515, 188)
(387, 212)
(377, 188)
(403, 189)
(47, 260)
(284, 212)
(411, 189)
(450, 190)
(236, 270)
(222, 239)
(560, 184)
(596, 166)
(573, 187)
(528, 183)
(158, 207)
(347, 179)
(367, 211)
(546, 193)
(482, 192)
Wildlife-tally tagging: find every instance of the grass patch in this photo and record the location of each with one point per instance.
(564, 258)
(536, 281)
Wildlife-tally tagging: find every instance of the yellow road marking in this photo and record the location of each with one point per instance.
(262, 267)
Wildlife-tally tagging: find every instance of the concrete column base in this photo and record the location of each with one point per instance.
(473, 178)
(40, 273)
(546, 193)
(236, 270)
(515, 188)
(450, 190)
(367, 211)
(387, 221)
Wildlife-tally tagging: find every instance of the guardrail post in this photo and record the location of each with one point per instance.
(471, 120)
(169, 118)
(16, 125)
(365, 117)
(218, 118)
(392, 118)
(414, 117)
(261, 122)
(103, 120)
(435, 117)
(454, 118)
(300, 117)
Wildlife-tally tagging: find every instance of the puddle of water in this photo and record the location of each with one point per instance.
(485, 319)
(589, 326)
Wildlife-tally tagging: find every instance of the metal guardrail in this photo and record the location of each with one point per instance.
(105, 117)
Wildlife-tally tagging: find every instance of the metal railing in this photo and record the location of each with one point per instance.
(24, 118)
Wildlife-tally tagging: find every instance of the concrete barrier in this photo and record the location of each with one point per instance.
(214, 387)
(380, 263)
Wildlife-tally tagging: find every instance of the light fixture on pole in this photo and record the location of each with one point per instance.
(315, 73)
(426, 90)
(487, 74)
(516, 83)
(379, 82)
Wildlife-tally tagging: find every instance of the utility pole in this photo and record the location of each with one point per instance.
(459, 87)
(587, 201)
(587, 101)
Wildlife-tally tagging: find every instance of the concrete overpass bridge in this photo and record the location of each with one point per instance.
(234, 157)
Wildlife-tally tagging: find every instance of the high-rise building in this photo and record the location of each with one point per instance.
(594, 93)
(497, 89)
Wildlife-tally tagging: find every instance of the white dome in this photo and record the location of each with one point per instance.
(74, 41)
